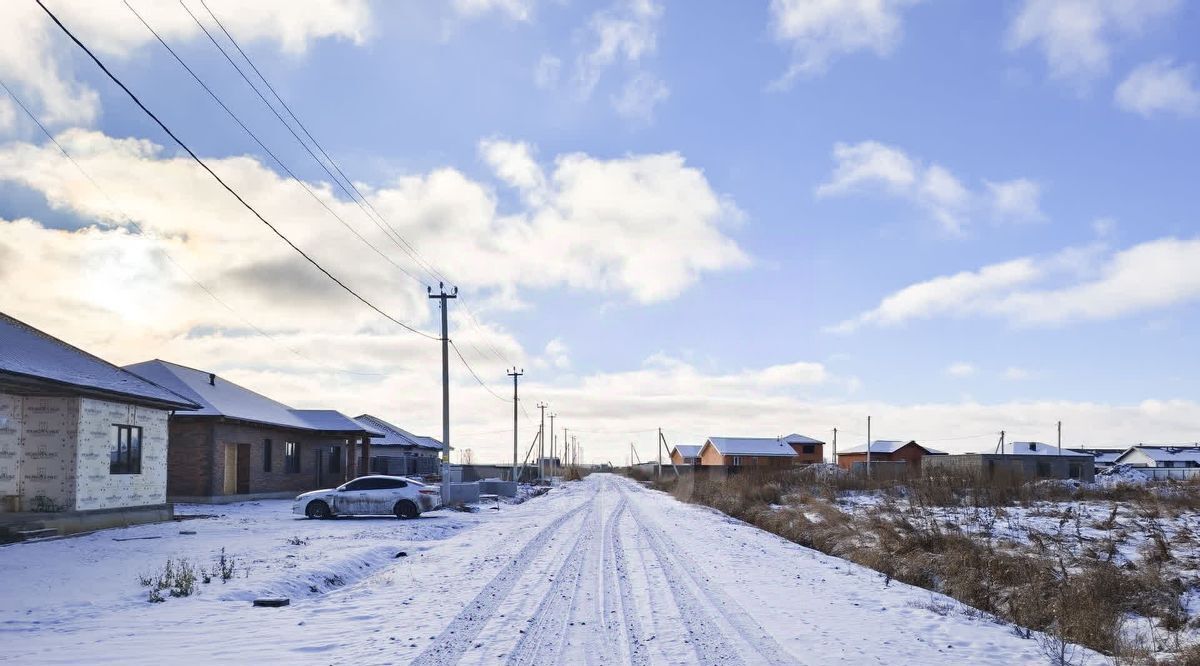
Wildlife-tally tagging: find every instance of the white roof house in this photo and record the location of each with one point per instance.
(394, 435)
(1161, 456)
(751, 446)
(885, 446)
(1038, 449)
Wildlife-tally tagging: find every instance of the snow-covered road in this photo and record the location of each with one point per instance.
(597, 572)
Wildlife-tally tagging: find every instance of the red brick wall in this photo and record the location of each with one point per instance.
(196, 459)
(818, 454)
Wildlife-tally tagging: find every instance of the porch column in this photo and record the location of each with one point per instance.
(350, 468)
(366, 454)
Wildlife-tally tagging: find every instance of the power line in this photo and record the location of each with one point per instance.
(223, 184)
(273, 156)
(473, 374)
(399, 239)
(141, 230)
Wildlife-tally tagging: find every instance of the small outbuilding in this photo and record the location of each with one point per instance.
(686, 455)
(1030, 460)
(888, 451)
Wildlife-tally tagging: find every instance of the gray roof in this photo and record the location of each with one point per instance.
(801, 439)
(223, 398)
(394, 435)
(688, 450)
(1157, 453)
(889, 446)
(751, 446)
(1037, 449)
(32, 359)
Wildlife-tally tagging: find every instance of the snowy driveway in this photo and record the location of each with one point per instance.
(601, 571)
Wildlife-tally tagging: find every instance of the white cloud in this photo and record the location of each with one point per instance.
(38, 59)
(1077, 36)
(1160, 86)
(520, 10)
(556, 355)
(869, 165)
(819, 31)
(547, 71)
(1073, 285)
(626, 31)
(639, 97)
(1017, 200)
(1017, 374)
(960, 369)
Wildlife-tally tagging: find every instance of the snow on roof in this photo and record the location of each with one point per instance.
(1036, 449)
(688, 450)
(889, 446)
(394, 435)
(1103, 456)
(801, 439)
(29, 353)
(1189, 452)
(217, 396)
(751, 446)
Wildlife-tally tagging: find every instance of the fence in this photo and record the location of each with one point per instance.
(1173, 473)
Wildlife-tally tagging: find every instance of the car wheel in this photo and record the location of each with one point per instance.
(317, 509)
(406, 509)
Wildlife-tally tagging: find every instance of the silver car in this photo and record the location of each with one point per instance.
(374, 495)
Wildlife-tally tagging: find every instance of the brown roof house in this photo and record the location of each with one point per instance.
(83, 443)
(241, 445)
(887, 451)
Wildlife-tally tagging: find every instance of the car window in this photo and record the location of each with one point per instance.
(355, 485)
(392, 483)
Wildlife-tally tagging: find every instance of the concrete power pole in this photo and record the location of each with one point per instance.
(1060, 438)
(868, 447)
(542, 442)
(552, 438)
(445, 467)
(835, 446)
(515, 374)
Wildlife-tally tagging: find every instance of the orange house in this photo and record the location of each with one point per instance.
(809, 451)
(886, 450)
(685, 454)
(746, 452)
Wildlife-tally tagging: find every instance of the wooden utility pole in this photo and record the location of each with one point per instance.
(515, 374)
(445, 466)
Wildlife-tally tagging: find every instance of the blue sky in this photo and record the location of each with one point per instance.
(876, 165)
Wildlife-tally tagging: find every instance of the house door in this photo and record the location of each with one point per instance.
(243, 469)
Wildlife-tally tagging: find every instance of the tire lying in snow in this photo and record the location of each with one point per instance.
(317, 509)
(406, 509)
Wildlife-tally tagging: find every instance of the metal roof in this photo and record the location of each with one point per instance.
(35, 360)
(801, 439)
(1037, 449)
(751, 446)
(889, 446)
(394, 435)
(1157, 453)
(218, 396)
(688, 450)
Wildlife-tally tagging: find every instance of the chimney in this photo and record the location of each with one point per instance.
(212, 379)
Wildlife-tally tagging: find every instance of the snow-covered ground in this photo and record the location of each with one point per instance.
(599, 571)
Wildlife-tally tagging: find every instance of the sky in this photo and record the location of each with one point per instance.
(714, 218)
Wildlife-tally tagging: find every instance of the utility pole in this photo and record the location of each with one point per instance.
(658, 473)
(835, 446)
(515, 374)
(542, 442)
(554, 460)
(1060, 438)
(868, 447)
(444, 297)
(566, 443)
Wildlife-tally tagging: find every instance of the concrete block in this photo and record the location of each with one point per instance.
(461, 493)
(497, 487)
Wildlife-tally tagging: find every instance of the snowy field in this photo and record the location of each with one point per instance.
(599, 571)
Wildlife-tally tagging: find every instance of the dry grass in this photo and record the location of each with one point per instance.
(1063, 584)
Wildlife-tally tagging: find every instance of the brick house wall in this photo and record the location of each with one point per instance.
(200, 454)
(802, 458)
(909, 453)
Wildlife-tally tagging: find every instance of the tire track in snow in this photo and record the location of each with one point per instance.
(459, 635)
(548, 625)
(619, 590)
(674, 560)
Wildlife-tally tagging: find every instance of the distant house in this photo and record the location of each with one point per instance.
(1034, 460)
(399, 452)
(685, 454)
(1145, 455)
(746, 452)
(808, 450)
(887, 450)
(79, 435)
(1103, 457)
(240, 444)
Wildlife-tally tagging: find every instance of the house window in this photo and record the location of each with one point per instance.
(291, 457)
(1075, 470)
(1043, 468)
(335, 459)
(266, 455)
(810, 448)
(125, 457)
(737, 461)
